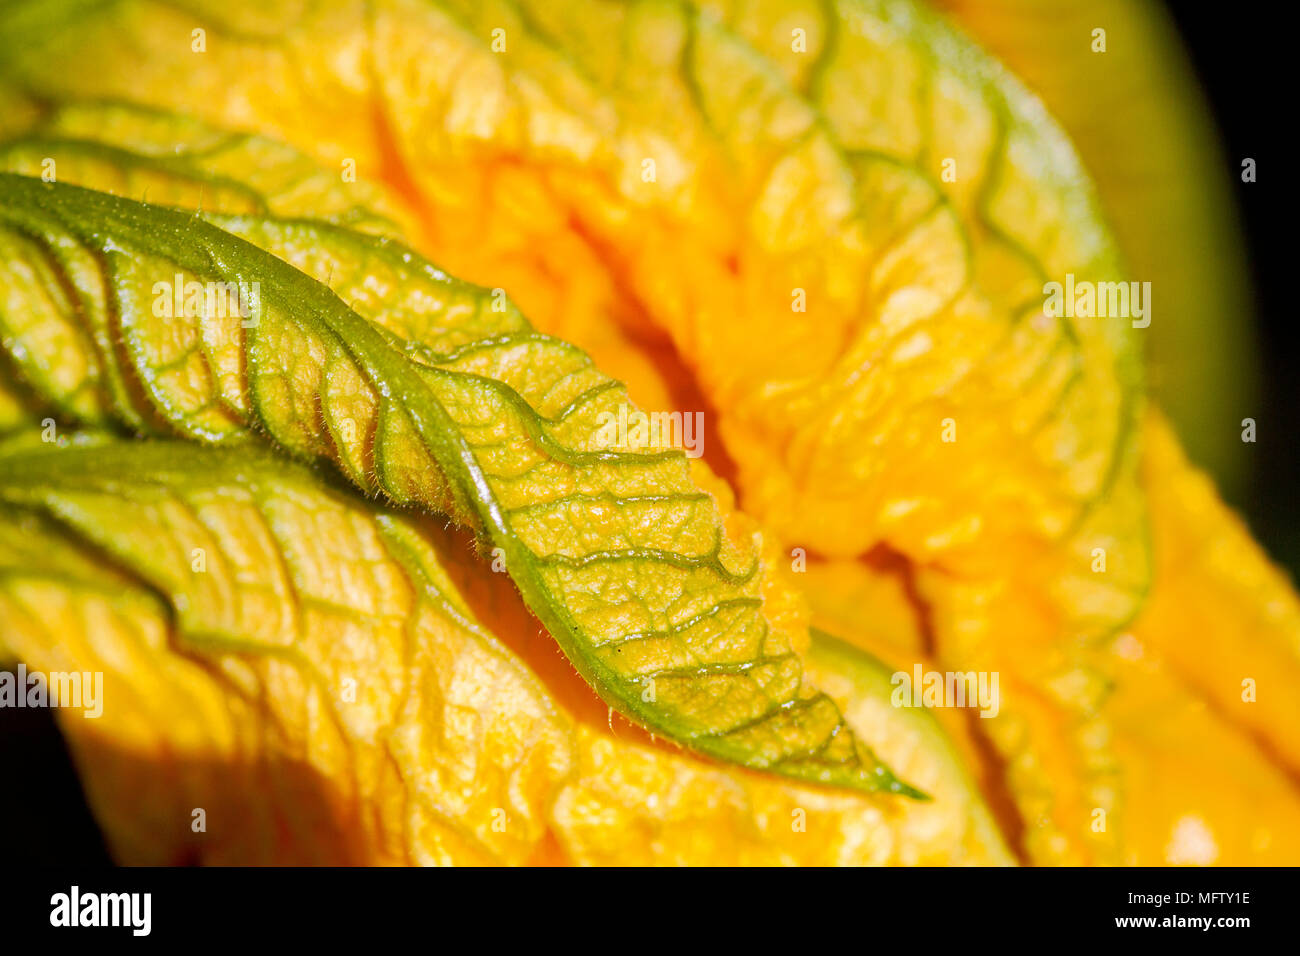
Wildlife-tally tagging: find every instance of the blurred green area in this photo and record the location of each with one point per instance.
(1139, 119)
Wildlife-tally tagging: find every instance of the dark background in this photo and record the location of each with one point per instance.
(1239, 55)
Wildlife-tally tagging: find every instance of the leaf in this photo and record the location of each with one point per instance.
(114, 148)
(658, 596)
(775, 170)
(172, 159)
(887, 259)
(772, 175)
(325, 685)
(700, 815)
(261, 634)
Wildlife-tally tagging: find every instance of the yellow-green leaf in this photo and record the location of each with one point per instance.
(658, 597)
(286, 657)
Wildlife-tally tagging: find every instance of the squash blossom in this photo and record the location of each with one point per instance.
(624, 432)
